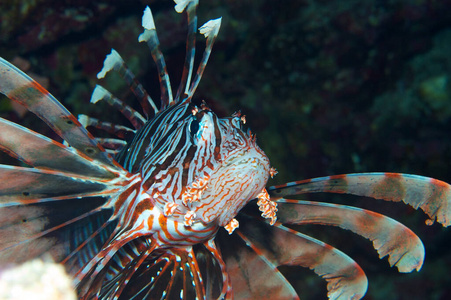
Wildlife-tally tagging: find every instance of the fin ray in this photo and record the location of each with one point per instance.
(284, 246)
(252, 275)
(150, 37)
(431, 195)
(19, 185)
(185, 81)
(40, 151)
(17, 86)
(389, 237)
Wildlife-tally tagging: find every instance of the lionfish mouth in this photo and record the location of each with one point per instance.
(245, 161)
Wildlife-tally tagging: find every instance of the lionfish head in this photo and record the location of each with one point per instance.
(215, 167)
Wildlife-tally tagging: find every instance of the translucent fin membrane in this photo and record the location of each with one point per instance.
(283, 246)
(130, 255)
(404, 249)
(175, 274)
(431, 195)
(19, 87)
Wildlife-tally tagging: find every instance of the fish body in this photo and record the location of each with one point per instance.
(144, 218)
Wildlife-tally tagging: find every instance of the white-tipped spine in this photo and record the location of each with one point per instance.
(83, 119)
(211, 28)
(145, 36)
(112, 60)
(148, 24)
(147, 20)
(182, 4)
(99, 93)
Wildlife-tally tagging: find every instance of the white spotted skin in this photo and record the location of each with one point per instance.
(231, 186)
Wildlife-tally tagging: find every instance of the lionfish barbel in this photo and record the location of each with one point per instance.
(139, 219)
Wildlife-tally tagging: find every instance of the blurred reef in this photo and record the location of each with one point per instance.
(329, 87)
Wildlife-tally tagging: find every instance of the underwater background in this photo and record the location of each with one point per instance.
(330, 87)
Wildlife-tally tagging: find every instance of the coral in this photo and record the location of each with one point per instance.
(36, 279)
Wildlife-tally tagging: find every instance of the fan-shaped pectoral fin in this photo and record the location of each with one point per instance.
(403, 247)
(431, 195)
(283, 246)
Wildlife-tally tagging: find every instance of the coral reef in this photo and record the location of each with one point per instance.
(38, 280)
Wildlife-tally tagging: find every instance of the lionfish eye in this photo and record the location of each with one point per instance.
(194, 127)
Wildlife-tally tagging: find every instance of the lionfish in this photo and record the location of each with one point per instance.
(138, 218)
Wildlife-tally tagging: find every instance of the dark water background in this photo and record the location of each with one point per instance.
(329, 87)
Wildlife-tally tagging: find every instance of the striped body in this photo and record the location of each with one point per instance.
(144, 218)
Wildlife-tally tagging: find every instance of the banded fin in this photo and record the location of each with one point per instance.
(150, 37)
(210, 30)
(42, 152)
(283, 246)
(19, 185)
(132, 115)
(115, 275)
(17, 86)
(209, 263)
(89, 239)
(55, 228)
(431, 195)
(111, 143)
(120, 266)
(190, 7)
(251, 274)
(114, 61)
(403, 247)
(276, 246)
(118, 130)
